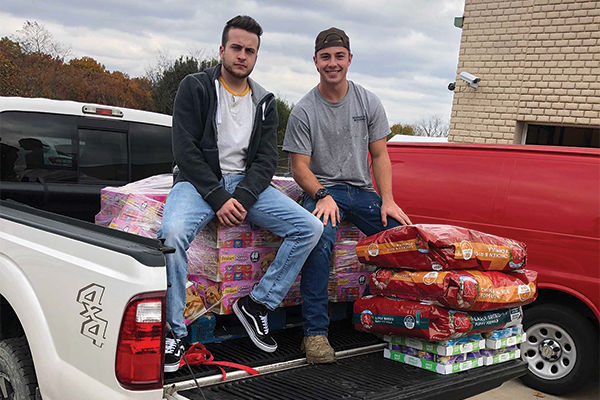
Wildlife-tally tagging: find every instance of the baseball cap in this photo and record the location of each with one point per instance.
(332, 37)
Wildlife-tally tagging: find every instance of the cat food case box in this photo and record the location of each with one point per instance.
(347, 286)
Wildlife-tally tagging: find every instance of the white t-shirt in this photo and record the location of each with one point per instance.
(235, 117)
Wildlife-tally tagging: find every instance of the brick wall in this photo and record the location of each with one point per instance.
(539, 62)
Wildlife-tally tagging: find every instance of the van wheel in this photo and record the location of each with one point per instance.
(561, 348)
(17, 376)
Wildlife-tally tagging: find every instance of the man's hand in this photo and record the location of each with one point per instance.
(391, 209)
(327, 210)
(232, 213)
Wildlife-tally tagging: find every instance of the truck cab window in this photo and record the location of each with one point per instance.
(151, 152)
(102, 156)
(36, 146)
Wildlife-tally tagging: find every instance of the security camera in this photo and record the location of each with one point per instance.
(452, 86)
(471, 79)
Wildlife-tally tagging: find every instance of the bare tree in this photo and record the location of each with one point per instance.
(34, 38)
(155, 72)
(433, 126)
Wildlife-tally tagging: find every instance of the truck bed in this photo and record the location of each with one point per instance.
(360, 373)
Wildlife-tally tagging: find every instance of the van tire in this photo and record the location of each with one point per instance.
(569, 353)
(17, 375)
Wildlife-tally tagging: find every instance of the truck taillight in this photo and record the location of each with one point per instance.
(141, 349)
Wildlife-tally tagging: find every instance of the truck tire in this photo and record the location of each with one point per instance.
(17, 375)
(561, 348)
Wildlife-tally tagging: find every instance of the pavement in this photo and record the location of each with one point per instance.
(516, 390)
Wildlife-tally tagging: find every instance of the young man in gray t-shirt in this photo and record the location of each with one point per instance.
(329, 135)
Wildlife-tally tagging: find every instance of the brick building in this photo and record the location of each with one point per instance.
(539, 65)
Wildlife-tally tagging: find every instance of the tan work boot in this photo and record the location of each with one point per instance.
(318, 350)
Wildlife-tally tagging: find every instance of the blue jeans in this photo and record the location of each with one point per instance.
(186, 213)
(361, 207)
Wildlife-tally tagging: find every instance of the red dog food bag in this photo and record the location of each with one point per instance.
(463, 290)
(440, 247)
(391, 316)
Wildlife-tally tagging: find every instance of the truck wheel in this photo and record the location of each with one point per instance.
(561, 348)
(17, 376)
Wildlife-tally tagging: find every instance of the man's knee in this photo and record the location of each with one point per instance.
(315, 229)
(173, 231)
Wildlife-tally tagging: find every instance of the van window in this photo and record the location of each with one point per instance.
(151, 152)
(37, 146)
(563, 136)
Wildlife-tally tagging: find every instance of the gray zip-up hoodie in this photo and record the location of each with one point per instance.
(195, 140)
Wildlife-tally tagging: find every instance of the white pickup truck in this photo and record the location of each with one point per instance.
(82, 306)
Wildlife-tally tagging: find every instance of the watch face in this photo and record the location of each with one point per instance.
(321, 193)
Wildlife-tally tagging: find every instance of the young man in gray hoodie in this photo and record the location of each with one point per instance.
(225, 150)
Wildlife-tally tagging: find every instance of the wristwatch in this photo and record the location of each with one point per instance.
(321, 193)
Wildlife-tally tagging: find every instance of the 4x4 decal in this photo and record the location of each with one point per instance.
(93, 327)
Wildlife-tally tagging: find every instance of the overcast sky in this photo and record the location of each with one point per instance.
(405, 51)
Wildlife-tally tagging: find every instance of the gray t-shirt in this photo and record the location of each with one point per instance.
(337, 135)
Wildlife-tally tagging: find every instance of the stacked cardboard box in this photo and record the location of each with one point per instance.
(456, 355)
(225, 263)
(348, 277)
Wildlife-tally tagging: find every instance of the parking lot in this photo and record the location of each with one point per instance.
(516, 390)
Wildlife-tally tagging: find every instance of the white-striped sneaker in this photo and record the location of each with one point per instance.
(253, 317)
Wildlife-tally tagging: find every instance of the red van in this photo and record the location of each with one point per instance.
(547, 197)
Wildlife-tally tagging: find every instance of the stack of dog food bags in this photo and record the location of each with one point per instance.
(348, 277)
(446, 298)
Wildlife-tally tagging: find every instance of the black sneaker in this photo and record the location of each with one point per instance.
(174, 350)
(254, 318)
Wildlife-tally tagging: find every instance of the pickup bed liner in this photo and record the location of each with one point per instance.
(366, 376)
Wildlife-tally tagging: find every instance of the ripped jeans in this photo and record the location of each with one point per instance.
(361, 207)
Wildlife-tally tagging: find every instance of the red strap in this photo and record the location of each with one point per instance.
(199, 355)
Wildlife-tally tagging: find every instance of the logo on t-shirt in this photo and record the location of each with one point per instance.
(357, 118)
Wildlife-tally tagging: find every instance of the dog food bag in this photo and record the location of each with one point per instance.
(391, 316)
(441, 247)
(463, 290)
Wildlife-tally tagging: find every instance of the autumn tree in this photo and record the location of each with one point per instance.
(10, 61)
(33, 65)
